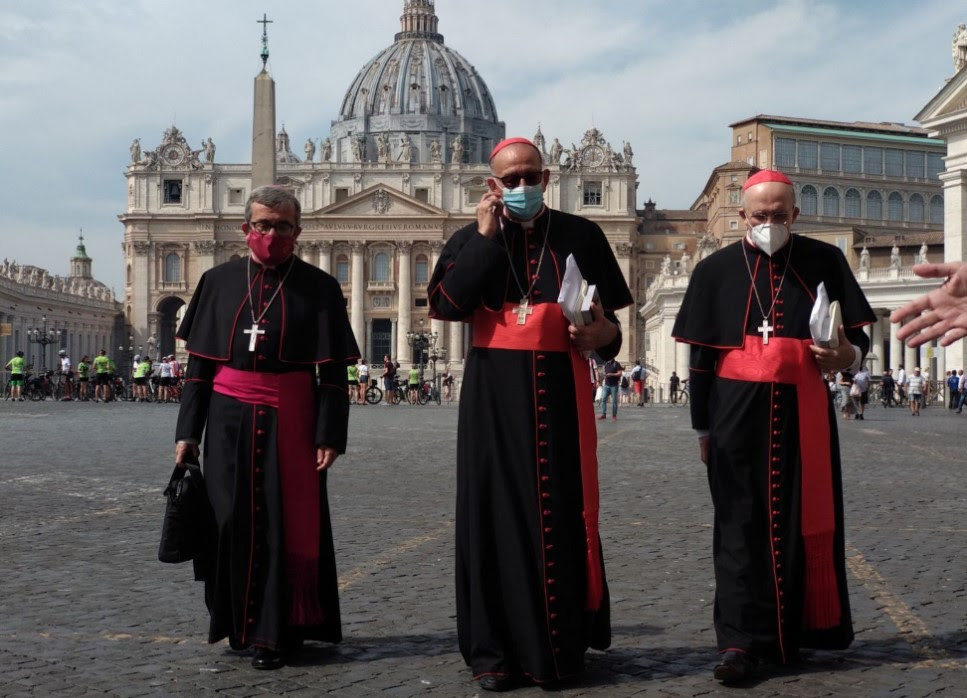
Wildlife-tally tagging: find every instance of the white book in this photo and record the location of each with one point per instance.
(576, 295)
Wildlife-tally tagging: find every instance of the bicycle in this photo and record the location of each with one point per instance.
(680, 397)
(428, 392)
(373, 393)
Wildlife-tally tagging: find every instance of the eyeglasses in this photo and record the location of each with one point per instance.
(280, 227)
(513, 180)
(780, 217)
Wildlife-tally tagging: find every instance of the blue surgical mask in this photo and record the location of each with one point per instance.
(524, 202)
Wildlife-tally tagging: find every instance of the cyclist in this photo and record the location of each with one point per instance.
(164, 373)
(141, 371)
(67, 375)
(447, 383)
(389, 380)
(83, 377)
(16, 366)
(414, 384)
(363, 374)
(102, 372)
(352, 378)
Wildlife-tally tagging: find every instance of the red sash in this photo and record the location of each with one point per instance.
(293, 395)
(785, 360)
(546, 330)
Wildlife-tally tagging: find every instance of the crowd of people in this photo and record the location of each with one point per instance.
(854, 391)
(96, 380)
(393, 382)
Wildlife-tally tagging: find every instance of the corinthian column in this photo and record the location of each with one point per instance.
(325, 256)
(356, 318)
(404, 298)
(438, 326)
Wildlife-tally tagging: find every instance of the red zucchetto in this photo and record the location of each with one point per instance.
(510, 141)
(766, 176)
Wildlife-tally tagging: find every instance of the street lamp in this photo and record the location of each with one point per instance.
(128, 353)
(424, 347)
(43, 337)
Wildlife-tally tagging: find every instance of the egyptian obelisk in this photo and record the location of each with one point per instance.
(263, 119)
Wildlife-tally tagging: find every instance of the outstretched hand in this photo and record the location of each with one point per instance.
(940, 313)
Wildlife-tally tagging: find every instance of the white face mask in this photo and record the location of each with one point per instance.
(769, 237)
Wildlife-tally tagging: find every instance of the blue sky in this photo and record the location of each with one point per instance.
(81, 80)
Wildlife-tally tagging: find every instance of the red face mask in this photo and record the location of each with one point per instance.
(270, 250)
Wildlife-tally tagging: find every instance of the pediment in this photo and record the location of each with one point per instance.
(949, 103)
(381, 200)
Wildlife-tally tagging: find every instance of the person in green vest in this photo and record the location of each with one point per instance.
(102, 374)
(16, 365)
(414, 383)
(141, 372)
(84, 377)
(352, 374)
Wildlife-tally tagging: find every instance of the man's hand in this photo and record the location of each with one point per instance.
(599, 333)
(325, 457)
(186, 452)
(703, 449)
(488, 210)
(836, 359)
(940, 313)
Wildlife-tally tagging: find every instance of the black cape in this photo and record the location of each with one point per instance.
(520, 556)
(306, 330)
(758, 573)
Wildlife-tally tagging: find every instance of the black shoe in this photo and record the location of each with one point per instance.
(735, 667)
(497, 684)
(267, 659)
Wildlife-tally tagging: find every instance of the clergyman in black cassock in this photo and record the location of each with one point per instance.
(530, 589)
(266, 382)
(768, 433)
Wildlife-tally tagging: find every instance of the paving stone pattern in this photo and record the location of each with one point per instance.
(86, 609)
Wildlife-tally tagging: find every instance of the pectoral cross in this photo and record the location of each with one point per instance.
(523, 310)
(253, 333)
(764, 329)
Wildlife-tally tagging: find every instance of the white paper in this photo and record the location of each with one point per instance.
(572, 294)
(825, 319)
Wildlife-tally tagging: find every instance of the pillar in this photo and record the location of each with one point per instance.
(325, 256)
(356, 316)
(896, 348)
(437, 326)
(404, 299)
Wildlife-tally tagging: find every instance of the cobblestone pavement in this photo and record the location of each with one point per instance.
(86, 608)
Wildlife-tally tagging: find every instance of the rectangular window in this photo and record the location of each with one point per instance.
(873, 161)
(785, 152)
(935, 165)
(422, 194)
(734, 197)
(421, 303)
(342, 193)
(841, 244)
(592, 193)
(893, 160)
(852, 159)
(172, 191)
(474, 195)
(915, 167)
(733, 225)
(342, 271)
(829, 157)
(809, 155)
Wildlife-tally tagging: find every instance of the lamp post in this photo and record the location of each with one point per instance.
(424, 347)
(43, 337)
(128, 354)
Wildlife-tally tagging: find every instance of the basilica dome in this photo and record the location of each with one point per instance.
(415, 92)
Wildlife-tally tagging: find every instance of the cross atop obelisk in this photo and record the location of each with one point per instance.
(265, 22)
(263, 121)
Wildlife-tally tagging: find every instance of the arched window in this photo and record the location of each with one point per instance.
(808, 201)
(421, 271)
(916, 209)
(381, 267)
(172, 268)
(830, 202)
(852, 203)
(342, 269)
(936, 209)
(874, 206)
(894, 210)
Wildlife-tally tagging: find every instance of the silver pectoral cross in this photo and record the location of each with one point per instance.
(523, 310)
(764, 329)
(253, 334)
